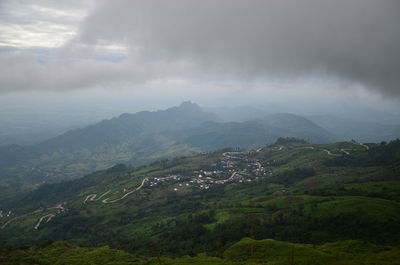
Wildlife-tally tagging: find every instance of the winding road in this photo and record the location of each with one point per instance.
(329, 153)
(230, 178)
(49, 217)
(309, 147)
(92, 197)
(345, 151)
(58, 206)
(9, 221)
(126, 194)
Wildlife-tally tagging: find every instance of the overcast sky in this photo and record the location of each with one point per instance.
(211, 51)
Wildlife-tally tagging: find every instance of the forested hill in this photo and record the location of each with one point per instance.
(138, 139)
(126, 126)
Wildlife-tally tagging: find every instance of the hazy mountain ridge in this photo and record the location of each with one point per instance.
(125, 126)
(141, 138)
(365, 131)
(297, 126)
(349, 122)
(255, 133)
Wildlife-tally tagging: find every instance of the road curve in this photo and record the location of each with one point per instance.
(27, 214)
(228, 179)
(49, 217)
(92, 197)
(329, 153)
(9, 221)
(345, 151)
(126, 194)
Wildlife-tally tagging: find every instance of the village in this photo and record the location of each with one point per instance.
(232, 167)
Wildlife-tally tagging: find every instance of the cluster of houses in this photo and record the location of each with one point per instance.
(6, 215)
(233, 166)
(156, 181)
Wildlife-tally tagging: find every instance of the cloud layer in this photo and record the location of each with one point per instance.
(354, 41)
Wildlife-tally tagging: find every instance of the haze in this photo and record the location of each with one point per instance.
(65, 64)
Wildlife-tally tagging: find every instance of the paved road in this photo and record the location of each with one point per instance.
(345, 151)
(329, 153)
(58, 206)
(49, 217)
(92, 197)
(9, 221)
(126, 194)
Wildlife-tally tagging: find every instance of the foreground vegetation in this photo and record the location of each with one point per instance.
(245, 251)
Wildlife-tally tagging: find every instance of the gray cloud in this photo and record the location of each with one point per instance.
(354, 40)
(45, 44)
(22, 72)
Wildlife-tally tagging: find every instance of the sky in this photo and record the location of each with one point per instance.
(129, 55)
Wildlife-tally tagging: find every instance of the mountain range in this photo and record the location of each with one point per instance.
(141, 138)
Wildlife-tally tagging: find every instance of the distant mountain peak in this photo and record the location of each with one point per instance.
(188, 105)
(184, 107)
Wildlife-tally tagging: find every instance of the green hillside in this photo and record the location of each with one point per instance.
(291, 191)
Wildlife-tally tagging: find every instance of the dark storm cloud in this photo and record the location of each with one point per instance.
(354, 40)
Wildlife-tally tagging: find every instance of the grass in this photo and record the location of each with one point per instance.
(373, 209)
(266, 252)
(221, 216)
